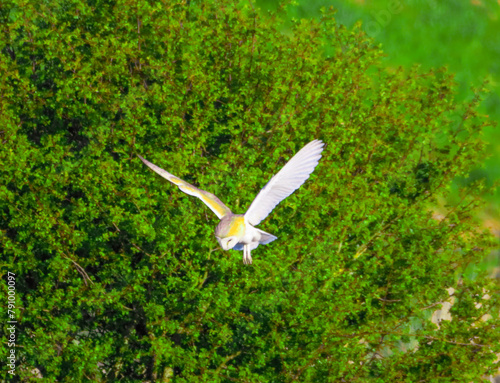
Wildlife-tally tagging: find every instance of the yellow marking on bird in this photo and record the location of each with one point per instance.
(212, 204)
(176, 181)
(237, 227)
(186, 188)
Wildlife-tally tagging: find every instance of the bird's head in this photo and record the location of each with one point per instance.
(230, 230)
(228, 243)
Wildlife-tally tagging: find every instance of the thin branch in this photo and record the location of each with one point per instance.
(226, 359)
(80, 270)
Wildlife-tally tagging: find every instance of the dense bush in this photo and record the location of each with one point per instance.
(118, 275)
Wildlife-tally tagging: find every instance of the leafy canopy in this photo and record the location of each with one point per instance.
(119, 277)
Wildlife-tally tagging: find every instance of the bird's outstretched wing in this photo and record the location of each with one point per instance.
(215, 204)
(288, 179)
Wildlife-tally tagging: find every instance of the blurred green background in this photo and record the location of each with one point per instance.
(461, 35)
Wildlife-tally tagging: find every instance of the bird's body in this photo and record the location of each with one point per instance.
(235, 226)
(238, 231)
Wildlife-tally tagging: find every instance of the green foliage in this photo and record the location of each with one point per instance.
(119, 277)
(463, 35)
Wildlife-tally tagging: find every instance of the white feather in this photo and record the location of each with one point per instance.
(288, 179)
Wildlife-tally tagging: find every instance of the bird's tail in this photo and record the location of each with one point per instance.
(266, 237)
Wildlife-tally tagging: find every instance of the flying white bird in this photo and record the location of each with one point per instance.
(238, 231)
